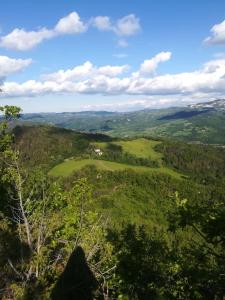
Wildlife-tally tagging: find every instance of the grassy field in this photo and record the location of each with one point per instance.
(68, 167)
(140, 147)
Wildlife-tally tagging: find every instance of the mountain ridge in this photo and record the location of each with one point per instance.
(201, 122)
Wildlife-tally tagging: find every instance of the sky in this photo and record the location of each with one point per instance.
(120, 55)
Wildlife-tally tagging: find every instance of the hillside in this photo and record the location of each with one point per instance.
(64, 149)
(124, 165)
(126, 197)
(48, 145)
(132, 174)
(204, 123)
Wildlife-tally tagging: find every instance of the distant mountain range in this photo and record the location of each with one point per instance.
(215, 104)
(199, 123)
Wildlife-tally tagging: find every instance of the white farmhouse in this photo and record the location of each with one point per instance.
(98, 151)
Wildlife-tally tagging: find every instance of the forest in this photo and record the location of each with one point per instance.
(144, 220)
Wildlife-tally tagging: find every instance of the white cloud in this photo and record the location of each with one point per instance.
(150, 102)
(70, 24)
(113, 80)
(127, 26)
(209, 79)
(23, 40)
(113, 71)
(217, 34)
(10, 66)
(118, 106)
(124, 27)
(85, 71)
(71, 74)
(150, 65)
(102, 23)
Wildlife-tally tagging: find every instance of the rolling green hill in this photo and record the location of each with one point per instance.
(64, 151)
(69, 166)
(140, 147)
(49, 145)
(203, 123)
(68, 151)
(138, 183)
(145, 165)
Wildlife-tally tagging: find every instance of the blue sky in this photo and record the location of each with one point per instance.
(113, 55)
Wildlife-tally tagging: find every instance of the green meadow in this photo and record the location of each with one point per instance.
(140, 147)
(69, 166)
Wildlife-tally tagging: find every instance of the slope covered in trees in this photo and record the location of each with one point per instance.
(101, 234)
(48, 145)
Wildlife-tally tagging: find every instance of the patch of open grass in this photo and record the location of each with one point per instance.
(141, 148)
(68, 167)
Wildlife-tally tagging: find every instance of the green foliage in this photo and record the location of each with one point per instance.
(114, 152)
(141, 147)
(43, 227)
(183, 124)
(136, 197)
(58, 221)
(6, 154)
(141, 267)
(9, 113)
(68, 167)
(144, 233)
(201, 258)
(48, 145)
(205, 164)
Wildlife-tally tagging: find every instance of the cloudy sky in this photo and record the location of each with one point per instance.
(111, 55)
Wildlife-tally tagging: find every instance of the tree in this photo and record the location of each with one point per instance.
(200, 260)
(45, 224)
(142, 267)
(50, 224)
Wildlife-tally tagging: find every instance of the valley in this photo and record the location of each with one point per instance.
(200, 123)
(137, 191)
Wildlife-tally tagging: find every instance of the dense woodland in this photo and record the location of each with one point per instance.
(108, 234)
